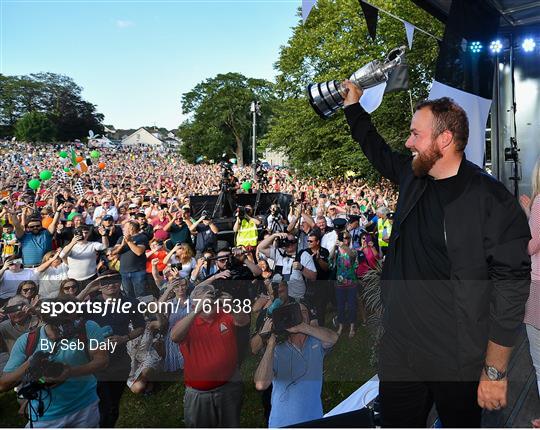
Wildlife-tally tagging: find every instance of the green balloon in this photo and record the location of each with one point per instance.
(246, 186)
(45, 175)
(34, 184)
(72, 215)
(95, 154)
(63, 154)
(67, 169)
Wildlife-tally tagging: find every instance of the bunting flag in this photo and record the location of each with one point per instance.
(371, 14)
(398, 80)
(409, 30)
(307, 5)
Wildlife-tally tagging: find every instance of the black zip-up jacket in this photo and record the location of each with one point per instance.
(490, 266)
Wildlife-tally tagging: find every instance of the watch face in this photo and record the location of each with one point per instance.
(492, 373)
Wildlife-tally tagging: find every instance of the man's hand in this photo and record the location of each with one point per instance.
(267, 327)
(353, 93)
(492, 394)
(297, 328)
(223, 275)
(61, 378)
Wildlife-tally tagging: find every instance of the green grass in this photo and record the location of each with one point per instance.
(346, 368)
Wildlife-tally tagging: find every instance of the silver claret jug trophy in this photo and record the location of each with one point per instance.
(327, 97)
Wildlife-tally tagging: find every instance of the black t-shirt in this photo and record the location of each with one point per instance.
(119, 321)
(420, 308)
(129, 261)
(115, 234)
(322, 275)
(205, 237)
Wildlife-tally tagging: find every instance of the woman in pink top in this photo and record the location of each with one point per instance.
(532, 311)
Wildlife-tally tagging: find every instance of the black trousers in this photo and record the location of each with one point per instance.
(407, 404)
(413, 380)
(110, 393)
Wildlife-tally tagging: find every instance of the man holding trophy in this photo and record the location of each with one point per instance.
(453, 288)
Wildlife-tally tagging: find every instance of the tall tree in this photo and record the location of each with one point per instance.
(56, 95)
(220, 119)
(331, 45)
(35, 127)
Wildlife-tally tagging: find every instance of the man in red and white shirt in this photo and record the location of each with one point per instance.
(207, 338)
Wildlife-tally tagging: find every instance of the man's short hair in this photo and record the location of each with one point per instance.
(17, 300)
(33, 219)
(448, 115)
(383, 210)
(201, 290)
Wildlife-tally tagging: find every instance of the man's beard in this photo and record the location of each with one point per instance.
(422, 163)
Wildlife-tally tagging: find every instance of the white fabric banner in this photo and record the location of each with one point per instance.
(477, 109)
(307, 5)
(372, 97)
(409, 29)
(359, 399)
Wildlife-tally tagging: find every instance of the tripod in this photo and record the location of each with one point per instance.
(224, 197)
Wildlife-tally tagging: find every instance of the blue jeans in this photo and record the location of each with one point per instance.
(134, 283)
(346, 300)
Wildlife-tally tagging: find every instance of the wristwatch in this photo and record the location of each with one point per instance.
(493, 373)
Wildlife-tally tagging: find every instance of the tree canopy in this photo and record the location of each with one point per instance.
(56, 96)
(331, 45)
(220, 120)
(35, 127)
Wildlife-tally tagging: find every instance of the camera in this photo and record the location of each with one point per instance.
(40, 366)
(240, 211)
(12, 309)
(284, 242)
(205, 215)
(177, 266)
(285, 317)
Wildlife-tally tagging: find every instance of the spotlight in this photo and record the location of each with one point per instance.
(495, 47)
(528, 45)
(475, 47)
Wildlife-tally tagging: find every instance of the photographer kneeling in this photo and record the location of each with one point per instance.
(55, 364)
(281, 247)
(293, 364)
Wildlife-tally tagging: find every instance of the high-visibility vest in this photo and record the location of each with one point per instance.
(247, 234)
(381, 225)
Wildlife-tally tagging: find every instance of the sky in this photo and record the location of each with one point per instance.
(134, 59)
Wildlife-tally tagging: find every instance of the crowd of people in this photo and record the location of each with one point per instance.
(123, 231)
(164, 293)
